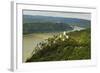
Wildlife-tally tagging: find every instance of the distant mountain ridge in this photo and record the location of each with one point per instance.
(34, 24)
(71, 21)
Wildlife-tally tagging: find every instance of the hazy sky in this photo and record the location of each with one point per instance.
(86, 16)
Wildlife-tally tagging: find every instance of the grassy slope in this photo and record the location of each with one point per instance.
(76, 47)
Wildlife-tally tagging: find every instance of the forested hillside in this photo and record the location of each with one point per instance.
(45, 27)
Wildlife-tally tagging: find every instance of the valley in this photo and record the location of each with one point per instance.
(41, 31)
